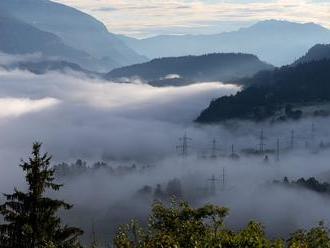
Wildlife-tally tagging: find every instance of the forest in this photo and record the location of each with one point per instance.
(31, 221)
(269, 92)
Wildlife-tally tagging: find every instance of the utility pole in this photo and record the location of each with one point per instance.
(213, 180)
(233, 155)
(292, 139)
(313, 132)
(278, 150)
(214, 149)
(184, 145)
(262, 142)
(223, 181)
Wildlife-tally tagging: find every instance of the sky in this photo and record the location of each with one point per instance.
(145, 18)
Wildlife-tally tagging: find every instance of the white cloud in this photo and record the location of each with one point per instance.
(146, 18)
(98, 120)
(13, 107)
(96, 117)
(7, 59)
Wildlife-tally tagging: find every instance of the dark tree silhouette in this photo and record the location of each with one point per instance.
(270, 91)
(30, 217)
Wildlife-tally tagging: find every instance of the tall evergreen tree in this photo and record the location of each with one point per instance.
(30, 217)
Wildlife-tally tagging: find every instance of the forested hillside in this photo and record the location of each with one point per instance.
(210, 67)
(271, 91)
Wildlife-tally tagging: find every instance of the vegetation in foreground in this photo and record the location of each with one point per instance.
(30, 217)
(180, 225)
(30, 221)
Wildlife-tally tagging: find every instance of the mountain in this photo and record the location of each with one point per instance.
(210, 67)
(275, 93)
(75, 28)
(277, 42)
(44, 66)
(317, 52)
(20, 38)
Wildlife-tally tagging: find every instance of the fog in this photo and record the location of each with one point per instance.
(134, 123)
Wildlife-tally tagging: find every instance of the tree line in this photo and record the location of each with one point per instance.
(30, 220)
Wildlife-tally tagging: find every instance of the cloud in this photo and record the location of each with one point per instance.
(14, 107)
(106, 9)
(148, 18)
(97, 113)
(7, 59)
(136, 123)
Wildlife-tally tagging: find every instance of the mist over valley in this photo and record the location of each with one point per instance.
(238, 120)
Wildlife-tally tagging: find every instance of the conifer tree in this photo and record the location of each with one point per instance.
(30, 218)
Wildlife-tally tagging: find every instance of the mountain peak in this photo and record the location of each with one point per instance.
(273, 25)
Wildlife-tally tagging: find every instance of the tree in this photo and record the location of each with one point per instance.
(30, 217)
(174, 188)
(180, 225)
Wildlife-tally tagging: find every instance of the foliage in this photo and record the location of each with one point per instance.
(223, 67)
(315, 238)
(270, 92)
(180, 225)
(30, 217)
(310, 184)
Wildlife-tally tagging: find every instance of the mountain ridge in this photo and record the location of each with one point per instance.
(317, 52)
(273, 41)
(210, 67)
(274, 92)
(36, 41)
(76, 29)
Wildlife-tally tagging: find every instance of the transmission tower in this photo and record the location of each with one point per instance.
(184, 145)
(214, 149)
(223, 178)
(278, 150)
(213, 180)
(262, 142)
(233, 155)
(292, 138)
(313, 132)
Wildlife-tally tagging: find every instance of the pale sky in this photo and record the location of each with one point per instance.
(143, 18)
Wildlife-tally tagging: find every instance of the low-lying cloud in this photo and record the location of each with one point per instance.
(125, 124)
(77, 116)
(14, 107)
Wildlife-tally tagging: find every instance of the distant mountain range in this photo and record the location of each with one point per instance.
(78, 32)
(275, 93)
(45, 66)
(20, 38)
(179, 70)
(276, 42)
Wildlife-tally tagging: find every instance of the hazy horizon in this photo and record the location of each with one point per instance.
(143, 19)
(209, 120)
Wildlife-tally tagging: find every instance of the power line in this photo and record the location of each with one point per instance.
(214, 149)
(292, 139)
(278, 150)
(213, 180)
(262, 142)
(184, 145)
(313, 132)
(233, 155)
(223, 181)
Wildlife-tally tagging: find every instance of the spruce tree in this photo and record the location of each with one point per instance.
(30, 218)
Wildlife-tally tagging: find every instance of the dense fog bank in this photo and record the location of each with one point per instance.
(135, 129)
